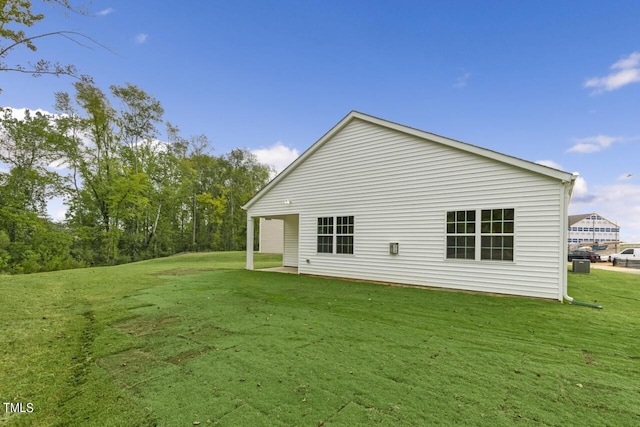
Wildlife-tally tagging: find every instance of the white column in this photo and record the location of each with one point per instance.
(249, 243)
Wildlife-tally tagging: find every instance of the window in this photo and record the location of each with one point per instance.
(494, 235)
(343, 233)
(325, 235)
(497, 234)
(461, 239)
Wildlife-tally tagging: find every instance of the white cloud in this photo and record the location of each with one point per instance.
(624, 72)
(550, 163)
(278, 156)
(105, 12)
(580, 189)
(592, 144)
(141, 38)
(56, 209)
(18, 113)
(632, 61)
(462, 81)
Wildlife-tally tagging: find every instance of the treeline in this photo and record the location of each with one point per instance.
(129, 196)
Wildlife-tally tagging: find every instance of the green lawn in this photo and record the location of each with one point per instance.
(196, 339)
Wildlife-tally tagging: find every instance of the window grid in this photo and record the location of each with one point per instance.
(497, 248)
(497, 229)
(461, 228)
(344, 234)
(325, 235)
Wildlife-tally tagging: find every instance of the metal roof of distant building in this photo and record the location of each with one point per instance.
(577, 218)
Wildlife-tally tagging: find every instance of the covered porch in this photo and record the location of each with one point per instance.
(290, 239)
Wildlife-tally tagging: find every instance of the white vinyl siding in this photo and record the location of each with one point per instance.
(290, 256)
(271, 236)
(399, 187)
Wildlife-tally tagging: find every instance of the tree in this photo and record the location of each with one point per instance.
(117, 166)
(29, 242)
(130, 195)
(28, 146)
(245, 177)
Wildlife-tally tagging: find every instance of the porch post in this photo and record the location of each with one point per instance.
(249, 243)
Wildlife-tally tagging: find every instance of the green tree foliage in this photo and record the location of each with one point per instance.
(28, 148)
(130, 196)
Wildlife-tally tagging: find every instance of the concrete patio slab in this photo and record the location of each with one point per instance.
(288, 270)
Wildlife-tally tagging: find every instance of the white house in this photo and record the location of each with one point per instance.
(380, 201)
(592, 228)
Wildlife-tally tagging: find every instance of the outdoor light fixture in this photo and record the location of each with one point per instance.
(287, 202)
(394, 248)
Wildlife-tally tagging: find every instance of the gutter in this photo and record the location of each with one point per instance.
(568, 190)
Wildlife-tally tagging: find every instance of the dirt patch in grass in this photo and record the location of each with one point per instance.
(140, 326)
(142, 305)
(185, 356)
(132, 367)
(588, 357)
(206, 333)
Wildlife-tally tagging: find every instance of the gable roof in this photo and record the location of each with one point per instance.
(469, 148)
(573, 219)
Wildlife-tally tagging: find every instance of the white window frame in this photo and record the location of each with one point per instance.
(478, 234)
(336, 234)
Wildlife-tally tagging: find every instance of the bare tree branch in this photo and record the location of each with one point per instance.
(65, 34)
(19, 13)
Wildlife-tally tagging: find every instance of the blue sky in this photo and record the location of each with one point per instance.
(550, 81)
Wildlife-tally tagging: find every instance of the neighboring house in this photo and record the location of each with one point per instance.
(380, 201)
(592, 228)
(271, 236)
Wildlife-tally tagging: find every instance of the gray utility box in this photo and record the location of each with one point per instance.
(581, 266)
